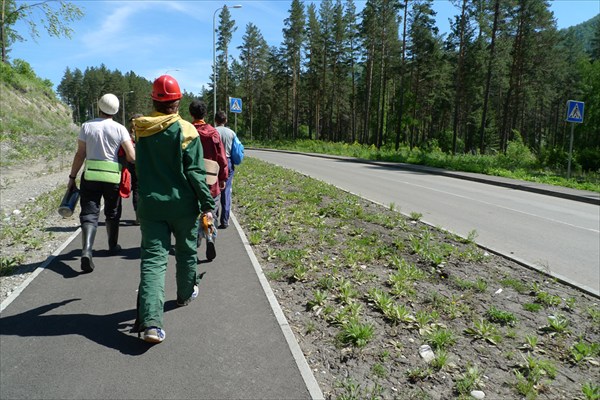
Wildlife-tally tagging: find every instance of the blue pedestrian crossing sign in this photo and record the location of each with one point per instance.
(235, 105)
(575, 111)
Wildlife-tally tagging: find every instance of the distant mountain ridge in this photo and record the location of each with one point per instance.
(585, 32)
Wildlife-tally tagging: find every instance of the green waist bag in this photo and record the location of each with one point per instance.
(102, 171)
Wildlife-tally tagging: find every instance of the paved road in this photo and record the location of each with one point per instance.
(66, 336)
(559, 234)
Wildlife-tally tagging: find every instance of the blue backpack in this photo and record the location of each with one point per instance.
(237, 151)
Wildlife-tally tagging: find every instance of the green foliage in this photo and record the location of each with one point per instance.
(594, 315)
(518, 155)
(484, 330)
(478, 285)
(518, 163)
(516, 284)
(531, 373)
(54, 16)
(470, 380)
(35, 125)
(440, 338)
(532, 307)
(351, 390)
(548, 299)
(589, 159)
(582, 351)
(356, 333)
(591, 391)
(500, 317)
(9, 264)
(319, 299)
(557, 324)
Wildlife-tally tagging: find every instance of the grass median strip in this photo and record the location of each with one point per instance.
(357, 280)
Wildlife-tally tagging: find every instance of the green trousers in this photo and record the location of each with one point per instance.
(156, 243)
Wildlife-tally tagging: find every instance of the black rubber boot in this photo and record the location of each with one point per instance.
(87, 238)
(211, 251)
(112, 230)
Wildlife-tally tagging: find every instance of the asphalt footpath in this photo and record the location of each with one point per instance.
(66, 334)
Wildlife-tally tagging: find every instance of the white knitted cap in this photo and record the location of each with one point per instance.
(109, 104)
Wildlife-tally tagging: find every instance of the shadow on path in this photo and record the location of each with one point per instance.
(111, 330)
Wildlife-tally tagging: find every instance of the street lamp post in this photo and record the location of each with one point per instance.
(131, 91)
(215, 58)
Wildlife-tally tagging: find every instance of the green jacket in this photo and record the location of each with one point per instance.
(170, 168)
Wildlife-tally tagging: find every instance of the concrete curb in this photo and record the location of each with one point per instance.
(305, 371)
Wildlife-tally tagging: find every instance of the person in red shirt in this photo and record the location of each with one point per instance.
(213, 150)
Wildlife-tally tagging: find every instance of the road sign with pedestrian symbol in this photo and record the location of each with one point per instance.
(575, 111)
(235, 105)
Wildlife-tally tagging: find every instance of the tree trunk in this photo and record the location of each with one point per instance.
(382, 105)
(2, 31)
(369, 88)
(488, 78)
(459, 77)
(402, 74)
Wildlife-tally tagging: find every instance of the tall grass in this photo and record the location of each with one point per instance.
(518, 162)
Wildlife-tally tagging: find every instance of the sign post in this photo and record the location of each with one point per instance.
(574, 116)
(235, 106)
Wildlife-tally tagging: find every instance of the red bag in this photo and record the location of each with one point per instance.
(125, 185)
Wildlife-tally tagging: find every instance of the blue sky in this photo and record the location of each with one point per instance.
(154, 37)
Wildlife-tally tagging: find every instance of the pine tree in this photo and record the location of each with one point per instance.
(253, 58)
(314, 58)
(225, 32)
(293, 40)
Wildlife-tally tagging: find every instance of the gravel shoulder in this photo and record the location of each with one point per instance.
(20, 187)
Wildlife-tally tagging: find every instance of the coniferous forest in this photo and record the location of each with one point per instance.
(386, 77)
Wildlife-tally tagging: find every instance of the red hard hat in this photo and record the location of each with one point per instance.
(166, 88)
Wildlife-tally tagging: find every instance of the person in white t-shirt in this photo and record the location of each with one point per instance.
(98, 146)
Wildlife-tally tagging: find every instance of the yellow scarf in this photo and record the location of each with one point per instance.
(158, 122)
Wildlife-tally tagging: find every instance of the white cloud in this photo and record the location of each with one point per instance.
(113, 25)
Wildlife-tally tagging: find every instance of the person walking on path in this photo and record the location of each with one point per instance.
(227, 136)
(172, 193)
(213, 150)
(98, 146)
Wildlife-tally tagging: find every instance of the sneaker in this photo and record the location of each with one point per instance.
(192, 297)
(154, 335)
(211, 252)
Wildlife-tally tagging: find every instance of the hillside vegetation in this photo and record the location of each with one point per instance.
(33, 122)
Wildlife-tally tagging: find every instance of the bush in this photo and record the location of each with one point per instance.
(7, 73)
(589, 159)
(555, 158)
(23, 68)
(517, 155)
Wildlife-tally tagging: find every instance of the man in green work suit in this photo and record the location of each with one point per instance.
(172, 193)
